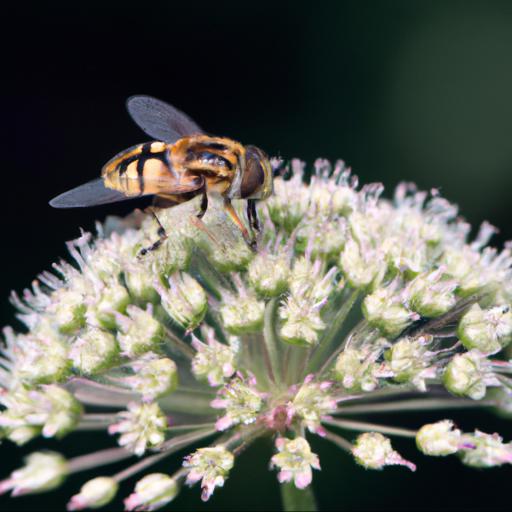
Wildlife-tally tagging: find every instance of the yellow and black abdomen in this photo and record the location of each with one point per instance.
(140, 170)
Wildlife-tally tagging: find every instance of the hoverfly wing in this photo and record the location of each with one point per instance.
(160, 120)
(89, 194)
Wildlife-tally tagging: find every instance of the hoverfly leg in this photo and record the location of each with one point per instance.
(162, 234)
(204, 204)
(252, 215)
(251, 241)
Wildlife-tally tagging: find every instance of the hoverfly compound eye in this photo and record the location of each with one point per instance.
(257, 174)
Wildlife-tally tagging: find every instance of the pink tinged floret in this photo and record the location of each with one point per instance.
(193, 476)
(303, 478)
(223, 423)
(396, 459)
(284, 476)
(77, 503)
(279, 418)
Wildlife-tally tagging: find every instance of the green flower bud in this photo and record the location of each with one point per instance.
(487, 331)
(93, 351)
(154, 378)
(438, 439)
(372, 450)
(42, 359)
(140, 283)
(113, 298)
(302, 322)
(356, 370)
(140, 332)
(430, 296)
(361, 271)
(185, 301)
(152, 492)
(43, 471)
(384, 311)
(268, 274)
(50, 410)
(142, 426)
(242, 314)
(69, 309)
(94, 494)
(407, 360)
(464, 376)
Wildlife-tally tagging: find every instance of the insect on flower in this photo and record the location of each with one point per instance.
(180, 164)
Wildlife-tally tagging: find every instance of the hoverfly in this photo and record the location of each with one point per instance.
(180, 164)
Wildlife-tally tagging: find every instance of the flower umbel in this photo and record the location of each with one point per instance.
(352, 305)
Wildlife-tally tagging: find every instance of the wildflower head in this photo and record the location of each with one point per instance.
(211, 466)
(352, 304)
(294, 461)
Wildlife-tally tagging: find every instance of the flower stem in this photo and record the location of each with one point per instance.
(370, 427)
(333, 332)
(413, 405)
(269, 336)
(298, 500)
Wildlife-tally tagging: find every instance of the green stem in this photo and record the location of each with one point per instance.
(413, 405)
(270, 338)
(333, 332)
(297, 500)
(363, 426)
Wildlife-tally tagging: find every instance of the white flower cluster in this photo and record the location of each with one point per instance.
(353, 304)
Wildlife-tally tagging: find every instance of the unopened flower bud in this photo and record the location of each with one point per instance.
(359, 271)
(487, 331)
(52, 411)
(69, 309)
(93, 351)
(113, 298)
(152, 492)
(430, 295)
(140, 282)
(295, 460)
(407, 360)
(185, 301)
(464, 376)
(439, 439)
(139, 332)
(211, 466)
(302, 322)
(43, 471)
(268, 274)
(355, 369)
(94, 494)
(373, 451)
(242, 314)
(385, 311)
(42, 359)
(153, 378)
(141, 426)
(324, 239)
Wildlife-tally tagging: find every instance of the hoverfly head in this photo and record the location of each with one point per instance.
(258, 174)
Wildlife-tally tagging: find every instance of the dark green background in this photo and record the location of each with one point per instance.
(402, 90)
